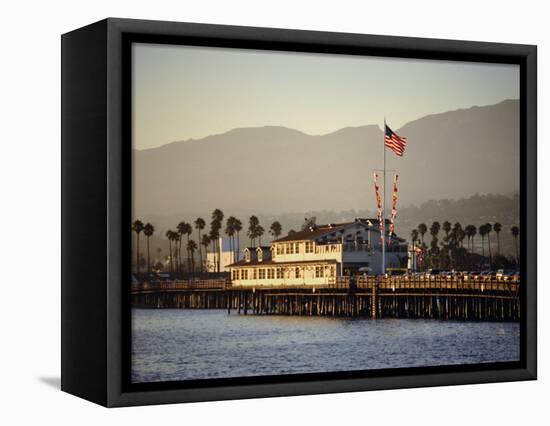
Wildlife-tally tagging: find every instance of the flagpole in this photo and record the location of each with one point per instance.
(383, 227)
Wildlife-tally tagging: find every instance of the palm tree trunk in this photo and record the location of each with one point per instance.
(517, 251)
(218, 255)
(178, 255)
(489, 245)
(148, 257)
(200, 248)
(238, 247)
(171, 260)
(498, 243)
(181, 259)
(214, 253)
(137, 253)
(188, 260)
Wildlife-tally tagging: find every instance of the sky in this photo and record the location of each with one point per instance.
(188, 92)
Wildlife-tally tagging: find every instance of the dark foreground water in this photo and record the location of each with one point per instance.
(177, 344)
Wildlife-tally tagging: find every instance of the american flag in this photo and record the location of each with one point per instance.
(394, 142)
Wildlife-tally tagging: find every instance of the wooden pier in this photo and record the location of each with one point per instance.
(375, 297)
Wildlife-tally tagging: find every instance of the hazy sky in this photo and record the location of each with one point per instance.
(183, 92)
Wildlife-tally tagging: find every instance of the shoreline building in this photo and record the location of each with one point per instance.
(318, 255)
(226, 256)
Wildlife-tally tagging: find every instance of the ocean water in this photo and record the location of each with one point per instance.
(178, 344)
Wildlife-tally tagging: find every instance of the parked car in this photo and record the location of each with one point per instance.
(487, 275)
(504, 274)
(432, 273)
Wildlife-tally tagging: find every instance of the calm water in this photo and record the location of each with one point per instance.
(176, 344)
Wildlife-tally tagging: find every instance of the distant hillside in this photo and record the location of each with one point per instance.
(475, 210)
(273, 170)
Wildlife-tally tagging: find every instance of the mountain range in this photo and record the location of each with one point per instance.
(276, 169)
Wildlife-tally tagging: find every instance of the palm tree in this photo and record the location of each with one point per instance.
(215, 226)
(276, 229)
(191, 247)
(497, 227)
(170, 236)
(489, 228)
(214, 237)
(434, 249)
(188, 231)
(422, 228)
(447, 228)
(253, 224)
(434, 229)
(414, 235)
(148, 231)
(177, 248)
(205, 242)
(461, 234)
(259, 232)
(238, 226)
(482, 230)
(515, 233)
(137, 227)
(471, 231)
(181, 230)
(200, 225)
(414, 238)
(230, 231)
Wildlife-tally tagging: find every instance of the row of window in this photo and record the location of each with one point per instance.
(271, 273)
(293, 248)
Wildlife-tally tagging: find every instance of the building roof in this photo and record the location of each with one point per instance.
(313, 233)
(321, 230)
(273, 263)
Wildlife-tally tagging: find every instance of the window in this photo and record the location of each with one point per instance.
(296, 248)
(290, 248)
(260, 255)
(319, 272)
(262, 274)
(309, 246)
(270, 273)
(235, 274)
(279, 272)
(244, 274)
(332, 271)
(254, 274)
(247, 256)
(297, 272)
(280, 249)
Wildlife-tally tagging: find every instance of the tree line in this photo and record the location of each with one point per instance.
(205, 240)
(450, 253)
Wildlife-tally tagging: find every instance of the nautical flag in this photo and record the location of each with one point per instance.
(379, 206)
(394, 142)
(394, 207)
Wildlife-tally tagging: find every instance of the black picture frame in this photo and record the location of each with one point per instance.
(96, 90)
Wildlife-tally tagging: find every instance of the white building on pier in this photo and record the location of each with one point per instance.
(318, 255)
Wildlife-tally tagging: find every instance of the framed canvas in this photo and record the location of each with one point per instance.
(255, 212)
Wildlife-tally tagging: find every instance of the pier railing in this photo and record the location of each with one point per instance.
(366, 283)
(180, 285)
